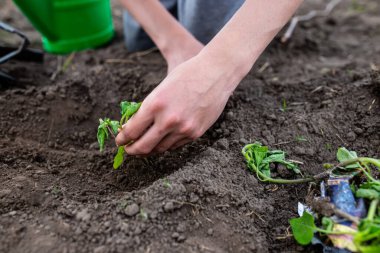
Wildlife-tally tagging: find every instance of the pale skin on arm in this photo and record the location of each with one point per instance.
(175, 43)
(191, 98)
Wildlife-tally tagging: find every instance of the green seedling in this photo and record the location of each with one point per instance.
(300, 138)
(352, 164)
(259, 158)
(284, 106)
(356, 6)
(328, 147)
(109, 127)
(143, 215)
(167, 183)
(56, 190)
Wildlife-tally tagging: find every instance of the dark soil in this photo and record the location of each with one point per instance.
(58, 193)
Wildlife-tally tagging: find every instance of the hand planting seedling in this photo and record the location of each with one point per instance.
(109, 127)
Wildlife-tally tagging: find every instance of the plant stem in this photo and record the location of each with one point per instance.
(123, 120)
(373, 161)
(110, 130)
(334, 232)
(372, 209)
(348, 162)
(345, 215)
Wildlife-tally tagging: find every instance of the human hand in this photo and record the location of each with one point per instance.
(181, 108)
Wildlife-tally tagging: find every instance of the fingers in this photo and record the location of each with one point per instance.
(167, 142)
(147, 142)
(135, 127)
(181, 143)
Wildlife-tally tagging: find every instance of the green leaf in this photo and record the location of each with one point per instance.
(129, 108)
(303, 228)
(278, 156)
(371, 185)
(367, 193)
(118, 160)
(367, 238)
(274, 156)
(328, 223)
(114, 126)
(344, 154)
(259, 153)
(260, 157)
(102, 134)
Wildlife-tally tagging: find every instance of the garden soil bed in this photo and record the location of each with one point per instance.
(58, 193)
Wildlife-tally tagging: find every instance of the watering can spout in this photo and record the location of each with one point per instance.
(70, 25)
(39, 14)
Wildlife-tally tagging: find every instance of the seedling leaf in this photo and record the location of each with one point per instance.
(102, 134)
(119, 157)
(108, 126)
(259, 158)
(368, 194)
(303, 228)
(344, 154)
(127, 109)
(114, 126)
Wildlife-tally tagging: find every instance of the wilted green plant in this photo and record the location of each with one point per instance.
(109, 127)
(259, 158)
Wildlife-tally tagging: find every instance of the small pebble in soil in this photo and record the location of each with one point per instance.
(210, 231)
(243, 141)
(230, 116)
(42, 109)
(83, 215)
(94, 146)
(181, 238)
(169, 206)
(132, 209)
(100, 249)
(175, 235)
(351, 136)
(358, 130)
(222, 144)
(181, 228)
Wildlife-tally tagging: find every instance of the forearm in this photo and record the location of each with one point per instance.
(238, 45)
(165, 31)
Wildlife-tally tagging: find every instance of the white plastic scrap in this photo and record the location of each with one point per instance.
(302, 208)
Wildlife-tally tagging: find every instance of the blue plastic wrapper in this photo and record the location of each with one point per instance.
(342, 197)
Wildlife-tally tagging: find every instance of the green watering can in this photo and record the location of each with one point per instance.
(70, 25)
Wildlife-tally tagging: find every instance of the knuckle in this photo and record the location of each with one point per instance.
(157, 105)
(172, 121)
(187, 129)
(196, 134)
(132, 135)
(129, 135)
